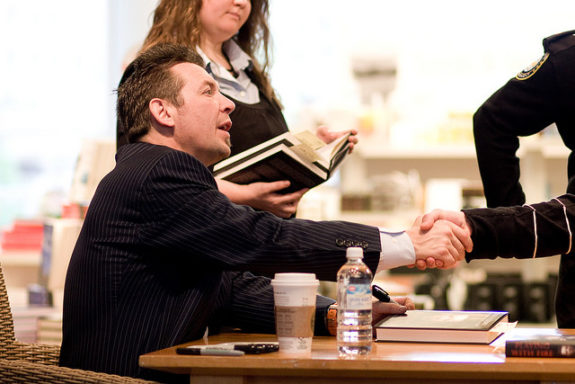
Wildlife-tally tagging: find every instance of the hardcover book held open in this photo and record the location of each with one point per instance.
(302, 158)
(540, 342)
(432, 326)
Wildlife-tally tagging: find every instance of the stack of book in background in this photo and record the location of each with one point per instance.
(20, 257)
(26, 321)
(23, 237)
(50, 330)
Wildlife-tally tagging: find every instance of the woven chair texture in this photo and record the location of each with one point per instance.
(38, 363)
(20, 371)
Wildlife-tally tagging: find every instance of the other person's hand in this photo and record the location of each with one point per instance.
(328, 136)
(266, 197)
(455, 217)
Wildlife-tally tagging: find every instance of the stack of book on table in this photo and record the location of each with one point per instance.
(434, 326)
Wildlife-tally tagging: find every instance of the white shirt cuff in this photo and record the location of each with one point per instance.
(396, 250)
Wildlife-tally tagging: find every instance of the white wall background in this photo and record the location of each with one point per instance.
(451, 54)
(62, 59)
(53, 92)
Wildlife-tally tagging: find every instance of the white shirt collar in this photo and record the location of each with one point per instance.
(239, 60)
(241, 88)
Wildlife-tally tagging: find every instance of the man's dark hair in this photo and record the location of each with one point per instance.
(148, 77)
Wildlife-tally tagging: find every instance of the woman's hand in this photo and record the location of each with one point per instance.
(264, 196)
(328, 136)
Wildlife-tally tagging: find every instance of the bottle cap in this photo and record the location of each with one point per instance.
(354, 253)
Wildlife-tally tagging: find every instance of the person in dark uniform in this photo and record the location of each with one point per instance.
(540, 95)
(227, 34)
(537, 97)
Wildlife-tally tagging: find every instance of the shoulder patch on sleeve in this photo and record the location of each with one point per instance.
(530, 70)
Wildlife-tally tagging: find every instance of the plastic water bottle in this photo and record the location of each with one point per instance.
(354, 331)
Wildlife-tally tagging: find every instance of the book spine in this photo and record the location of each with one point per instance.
(538, 349)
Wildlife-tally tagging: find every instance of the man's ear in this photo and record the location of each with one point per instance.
(162, 111)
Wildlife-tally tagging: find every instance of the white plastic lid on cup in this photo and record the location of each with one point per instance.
(295, 289)
(294, 279)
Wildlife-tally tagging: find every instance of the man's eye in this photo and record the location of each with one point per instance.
(209, 91)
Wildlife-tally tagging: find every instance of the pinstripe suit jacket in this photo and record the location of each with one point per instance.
(162, 255)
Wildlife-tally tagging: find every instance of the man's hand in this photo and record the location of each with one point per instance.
(380, 309)
(440, 246)
(328, 136)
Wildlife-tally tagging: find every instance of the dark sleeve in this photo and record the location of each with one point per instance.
(199, 223)
(252, 305)
(520, 108)
(510, 231)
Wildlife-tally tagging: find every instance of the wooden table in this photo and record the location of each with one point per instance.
(387, 363)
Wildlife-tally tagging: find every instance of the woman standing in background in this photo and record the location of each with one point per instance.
(228, 34)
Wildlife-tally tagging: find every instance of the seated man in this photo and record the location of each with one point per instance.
(163, 255)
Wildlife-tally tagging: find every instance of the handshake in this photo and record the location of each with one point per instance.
(440, 239)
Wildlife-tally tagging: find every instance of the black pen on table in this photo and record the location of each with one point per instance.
(209, 351)
(382, 295)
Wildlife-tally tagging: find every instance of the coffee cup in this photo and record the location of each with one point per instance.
(294, 297)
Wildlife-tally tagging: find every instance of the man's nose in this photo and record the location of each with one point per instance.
(227, 105)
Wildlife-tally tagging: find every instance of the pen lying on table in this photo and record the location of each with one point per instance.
(210, 351)
(229, 349)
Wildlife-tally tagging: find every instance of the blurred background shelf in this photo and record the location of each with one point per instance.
(20, 258)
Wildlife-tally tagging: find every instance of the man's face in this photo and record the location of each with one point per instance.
(202, 122)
